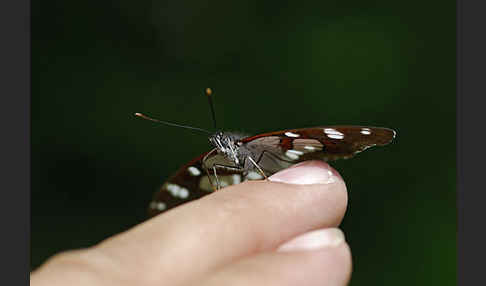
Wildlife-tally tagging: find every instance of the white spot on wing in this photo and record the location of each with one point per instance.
(236, 179)
(252, 175)
(160, 206)
(310, 148)
(332, 131)
(291, 155)
(290, 134)
(365, 131)
(177, 191)
(296, 152)
(193, 171)
(184, 193)
(335, 136)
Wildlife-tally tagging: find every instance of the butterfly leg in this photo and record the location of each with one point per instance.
(258, 167)
(215, 166)
(218, 185)
(210, 181)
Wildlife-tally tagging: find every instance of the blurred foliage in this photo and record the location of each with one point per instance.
(272, 65)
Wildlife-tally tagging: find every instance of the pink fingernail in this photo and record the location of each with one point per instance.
(309, 172)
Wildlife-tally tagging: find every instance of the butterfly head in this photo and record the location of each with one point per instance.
(227, 145)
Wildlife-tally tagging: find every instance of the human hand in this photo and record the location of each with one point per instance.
(281, 231)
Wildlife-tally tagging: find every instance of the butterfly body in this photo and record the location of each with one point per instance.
(236, 158)
(229, 144)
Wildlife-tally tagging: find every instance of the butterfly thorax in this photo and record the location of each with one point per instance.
(228, 144)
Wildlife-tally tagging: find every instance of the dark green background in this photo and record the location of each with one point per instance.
(272, 65)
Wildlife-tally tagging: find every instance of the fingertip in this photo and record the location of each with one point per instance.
(328, 244)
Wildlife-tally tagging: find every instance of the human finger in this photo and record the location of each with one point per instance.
(235, 222)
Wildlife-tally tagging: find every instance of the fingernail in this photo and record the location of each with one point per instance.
(309, 172)
(314, 240)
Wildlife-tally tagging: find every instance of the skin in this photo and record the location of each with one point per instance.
(281, 231)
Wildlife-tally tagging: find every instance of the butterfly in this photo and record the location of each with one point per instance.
(236, 157)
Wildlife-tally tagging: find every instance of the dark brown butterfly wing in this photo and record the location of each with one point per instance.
(278, 150)
(191, 182)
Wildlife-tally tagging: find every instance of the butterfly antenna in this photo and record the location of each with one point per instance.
(171, 124)
(209, 92)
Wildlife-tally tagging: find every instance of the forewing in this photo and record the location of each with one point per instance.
(278, 150)
(191, 182)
